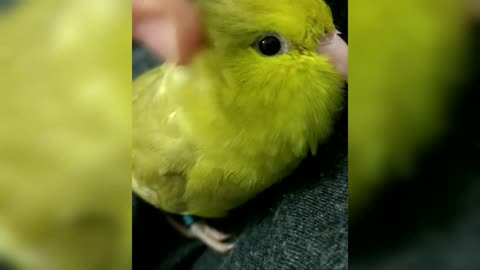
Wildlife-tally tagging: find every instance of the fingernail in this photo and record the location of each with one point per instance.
(160, 36)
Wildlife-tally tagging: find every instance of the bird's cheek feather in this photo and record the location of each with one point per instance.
(336, 49)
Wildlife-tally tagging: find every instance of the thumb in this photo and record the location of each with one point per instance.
(169, 29)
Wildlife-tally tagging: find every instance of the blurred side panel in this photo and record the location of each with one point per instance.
(408, 60)
(414, 138)
(65, 83)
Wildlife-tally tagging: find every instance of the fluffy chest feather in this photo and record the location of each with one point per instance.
(199, 148)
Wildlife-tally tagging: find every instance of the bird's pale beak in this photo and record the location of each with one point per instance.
(333, 46)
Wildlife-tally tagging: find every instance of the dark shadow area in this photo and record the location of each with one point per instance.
(6, 264)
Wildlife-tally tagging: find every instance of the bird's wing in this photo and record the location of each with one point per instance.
(161, 155)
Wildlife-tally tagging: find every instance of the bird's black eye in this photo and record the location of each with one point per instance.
(270, 45)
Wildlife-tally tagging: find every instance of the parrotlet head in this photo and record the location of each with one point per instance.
(270, 54)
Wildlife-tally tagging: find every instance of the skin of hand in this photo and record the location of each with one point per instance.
(168, 28)
(260, 95)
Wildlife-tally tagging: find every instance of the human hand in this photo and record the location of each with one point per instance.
(168, 28)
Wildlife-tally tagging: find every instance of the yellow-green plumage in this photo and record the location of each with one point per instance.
(210, 136)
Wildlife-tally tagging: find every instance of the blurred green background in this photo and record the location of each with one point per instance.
(406, 59)
(414, 136)
(65, 79)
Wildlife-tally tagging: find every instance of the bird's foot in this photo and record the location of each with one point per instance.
(182, 229)
(202, 231)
